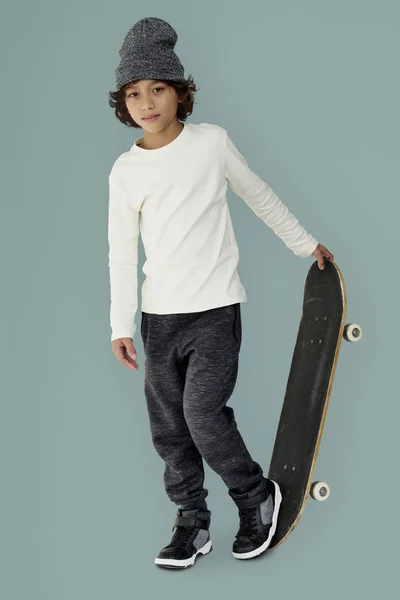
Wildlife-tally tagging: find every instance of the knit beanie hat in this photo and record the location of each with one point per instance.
(147, 52)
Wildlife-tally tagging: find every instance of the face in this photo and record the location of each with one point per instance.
(148, 97)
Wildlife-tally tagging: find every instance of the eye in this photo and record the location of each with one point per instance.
(156, 88)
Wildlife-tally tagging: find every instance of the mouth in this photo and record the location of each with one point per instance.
(152, 118)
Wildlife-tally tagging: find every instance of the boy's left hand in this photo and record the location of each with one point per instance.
(320, 254)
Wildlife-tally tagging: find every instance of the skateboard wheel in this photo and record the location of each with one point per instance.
(319, 491)
(352, 332)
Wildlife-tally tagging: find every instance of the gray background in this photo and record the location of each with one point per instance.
(309, 92)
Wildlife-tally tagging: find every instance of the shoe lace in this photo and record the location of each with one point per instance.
(182, 535)
(248, 524)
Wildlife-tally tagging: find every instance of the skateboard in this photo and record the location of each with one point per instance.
(322, 328)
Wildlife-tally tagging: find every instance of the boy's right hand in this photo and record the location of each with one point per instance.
(124, 350)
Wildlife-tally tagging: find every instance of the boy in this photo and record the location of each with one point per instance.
(172, 182)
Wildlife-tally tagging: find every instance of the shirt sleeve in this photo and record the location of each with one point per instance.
(265, 203)
(123, 235)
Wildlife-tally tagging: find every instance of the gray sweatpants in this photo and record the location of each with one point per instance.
(191, 366)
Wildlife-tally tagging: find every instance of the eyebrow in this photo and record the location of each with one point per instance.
(133, 85)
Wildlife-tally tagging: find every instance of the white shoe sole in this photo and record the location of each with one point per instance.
(170, 562)
(264, 546)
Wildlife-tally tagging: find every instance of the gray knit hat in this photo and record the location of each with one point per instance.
(147, 52)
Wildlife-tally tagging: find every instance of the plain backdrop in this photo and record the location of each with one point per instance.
(309, 92)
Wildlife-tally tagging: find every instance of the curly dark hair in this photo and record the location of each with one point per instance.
(185, 90)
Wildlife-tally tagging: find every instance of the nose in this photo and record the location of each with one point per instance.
(147, 103)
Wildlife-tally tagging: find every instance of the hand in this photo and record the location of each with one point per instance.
(320, 254)
(124, 350)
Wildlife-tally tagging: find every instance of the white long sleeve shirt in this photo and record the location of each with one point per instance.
(176, 197)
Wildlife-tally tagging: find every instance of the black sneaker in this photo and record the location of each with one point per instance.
(191, 537)
(258, 518)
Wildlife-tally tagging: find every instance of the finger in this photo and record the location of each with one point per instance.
(131, 364)
(120, 353)
(319, 256)
(128, 360)
(326, 253)
(130, 348)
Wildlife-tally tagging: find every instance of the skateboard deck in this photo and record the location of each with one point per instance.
(322, 327)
